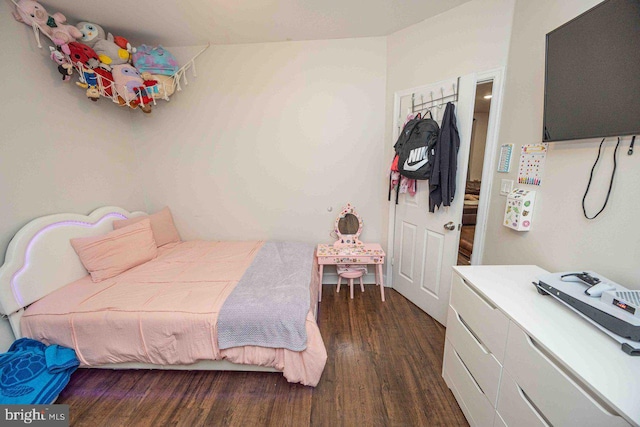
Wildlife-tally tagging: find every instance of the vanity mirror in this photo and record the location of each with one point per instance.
(348, 227)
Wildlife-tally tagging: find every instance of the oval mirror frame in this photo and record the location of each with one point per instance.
(347, 238)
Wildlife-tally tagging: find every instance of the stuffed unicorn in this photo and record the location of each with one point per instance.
(31, 12)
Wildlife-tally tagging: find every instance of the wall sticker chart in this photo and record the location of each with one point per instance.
(531, 167)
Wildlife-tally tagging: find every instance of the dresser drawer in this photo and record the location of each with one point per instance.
(324, 260)
(477, 358)
(499, 422)
(559, 398)
(488, 323)
(514, 406)
(473, 402)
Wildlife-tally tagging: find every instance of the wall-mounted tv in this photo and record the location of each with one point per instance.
(592, 78)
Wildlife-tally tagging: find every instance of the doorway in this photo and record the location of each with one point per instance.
(425, 243)
(421, 253)
(480, 126)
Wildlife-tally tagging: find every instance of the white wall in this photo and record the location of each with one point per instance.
(470, 38)
(561, 239)
(59, 151)
(267, 137)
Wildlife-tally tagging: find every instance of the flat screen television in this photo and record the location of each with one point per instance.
(592, 77)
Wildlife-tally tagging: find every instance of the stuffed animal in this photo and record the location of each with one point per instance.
(91, 33)
(30, 12)
(124, 44)
(85, 59)
(131, 88)
(164, 87)
(59, 55)
(81, 53)
(109, 52)
(155, 60)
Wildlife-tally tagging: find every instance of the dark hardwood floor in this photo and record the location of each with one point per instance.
(384, 369)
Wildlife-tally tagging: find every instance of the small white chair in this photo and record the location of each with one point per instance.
(351, 273)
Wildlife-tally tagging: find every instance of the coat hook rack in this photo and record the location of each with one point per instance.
(434, 102)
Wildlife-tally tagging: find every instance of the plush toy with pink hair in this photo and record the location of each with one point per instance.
(60, 55)
(54, 26)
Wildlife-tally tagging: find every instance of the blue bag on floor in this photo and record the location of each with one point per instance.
(32, 373)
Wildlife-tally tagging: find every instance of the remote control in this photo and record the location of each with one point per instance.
(597, 290)
(582, 277)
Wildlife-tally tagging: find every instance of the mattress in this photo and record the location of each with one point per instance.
(165, 312)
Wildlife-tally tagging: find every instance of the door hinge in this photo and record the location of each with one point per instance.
(459, 227)
(392, 261)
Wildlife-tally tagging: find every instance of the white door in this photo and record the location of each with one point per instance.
(426, 244)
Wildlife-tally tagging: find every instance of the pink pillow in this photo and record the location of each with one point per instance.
(117, 251)
(164, 230)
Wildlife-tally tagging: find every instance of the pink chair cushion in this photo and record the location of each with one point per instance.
(351, 274)
(164, 230)
(117, 251)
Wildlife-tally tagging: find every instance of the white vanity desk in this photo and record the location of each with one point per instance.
(514, 357)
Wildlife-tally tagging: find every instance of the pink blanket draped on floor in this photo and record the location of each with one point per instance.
(165, 312)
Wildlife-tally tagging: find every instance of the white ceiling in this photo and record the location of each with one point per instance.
(197, 22)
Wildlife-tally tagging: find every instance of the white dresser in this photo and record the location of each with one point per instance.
(516, 358)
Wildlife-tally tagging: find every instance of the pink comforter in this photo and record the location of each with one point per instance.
(165, 312)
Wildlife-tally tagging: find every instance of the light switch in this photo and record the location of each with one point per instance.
(506, 186)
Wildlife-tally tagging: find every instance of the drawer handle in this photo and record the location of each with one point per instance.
(482, 297)
(533, 406)
(597, 401)
(468, 372)
(483, 347)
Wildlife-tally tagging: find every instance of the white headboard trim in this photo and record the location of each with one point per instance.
(25, 265)
(40, 258)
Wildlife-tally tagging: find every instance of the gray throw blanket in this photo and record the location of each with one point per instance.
(269, 306)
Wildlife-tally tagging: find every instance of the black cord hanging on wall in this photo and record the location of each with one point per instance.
(613, 173)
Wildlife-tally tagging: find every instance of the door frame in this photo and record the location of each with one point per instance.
(497, 76)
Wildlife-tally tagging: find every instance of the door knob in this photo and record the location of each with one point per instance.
(450, 226)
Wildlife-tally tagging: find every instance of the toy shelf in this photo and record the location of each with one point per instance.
(161, 90)
(98, 85)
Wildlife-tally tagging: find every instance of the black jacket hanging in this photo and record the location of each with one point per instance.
(442, 185)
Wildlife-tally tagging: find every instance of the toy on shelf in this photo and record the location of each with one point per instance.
(110, 53)
(80, 52)
(131, 88)
(102, 63)
(155, 60)
(54, 26)
(164, 88)
(91, 33)
(86, 60)
(60, 55)
(124, 44)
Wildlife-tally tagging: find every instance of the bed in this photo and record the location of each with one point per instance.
(172, 312)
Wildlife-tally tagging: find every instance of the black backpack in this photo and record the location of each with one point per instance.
(416, 148)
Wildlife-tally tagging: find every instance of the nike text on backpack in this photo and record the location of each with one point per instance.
(416, 148)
